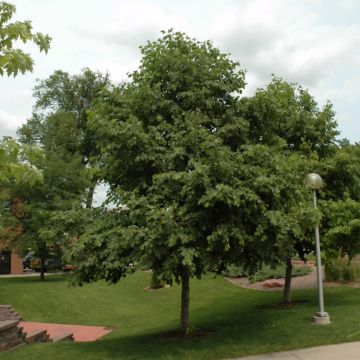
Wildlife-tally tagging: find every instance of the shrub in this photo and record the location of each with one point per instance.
(341, 270)
(266, 272)
(233, 271)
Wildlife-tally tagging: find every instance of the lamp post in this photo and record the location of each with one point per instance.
(314, 182)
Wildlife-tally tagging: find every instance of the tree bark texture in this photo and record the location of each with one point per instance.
(287, 285)
(185, 302)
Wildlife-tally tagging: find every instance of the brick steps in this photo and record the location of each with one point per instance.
(8, 313)
(37, 336)
(12, 335)
(65, 336)
(42, 332)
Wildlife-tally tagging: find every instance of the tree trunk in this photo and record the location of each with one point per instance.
(185, 301)
(155, 282)
(287, 285)
(90, 194)
(42, 269)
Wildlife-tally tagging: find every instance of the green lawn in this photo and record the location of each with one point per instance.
(240, 320)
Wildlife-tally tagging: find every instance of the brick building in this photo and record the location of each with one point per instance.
(10, 261)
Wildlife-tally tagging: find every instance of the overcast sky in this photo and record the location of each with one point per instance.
(315, 43)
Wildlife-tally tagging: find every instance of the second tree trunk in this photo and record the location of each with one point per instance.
(185, 302)
(287, 285)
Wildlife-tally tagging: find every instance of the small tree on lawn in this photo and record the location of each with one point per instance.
(285, 113)
(284, 224)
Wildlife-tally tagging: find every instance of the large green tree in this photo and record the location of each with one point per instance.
(14, 60)
(167, 143)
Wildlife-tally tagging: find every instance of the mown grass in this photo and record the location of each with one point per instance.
(241, 321)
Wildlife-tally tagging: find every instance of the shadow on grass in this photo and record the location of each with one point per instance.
(236, 330)
(225, 326)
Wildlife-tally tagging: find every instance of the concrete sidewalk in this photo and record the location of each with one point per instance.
(28, 274)
(347, 351)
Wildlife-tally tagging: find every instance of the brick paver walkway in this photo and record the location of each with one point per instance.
(80, 332)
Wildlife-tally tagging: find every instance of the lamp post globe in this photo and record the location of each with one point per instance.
(314, 181)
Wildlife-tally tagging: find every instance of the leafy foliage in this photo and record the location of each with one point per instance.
(340, 203)
(14, 60)
(287, 112)
(17, 170)
(17, 163)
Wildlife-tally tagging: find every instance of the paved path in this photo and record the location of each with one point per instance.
(28, 274)
(347, 351)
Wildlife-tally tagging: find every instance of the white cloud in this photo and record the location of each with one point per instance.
(285, 38)
(312, 42)
(132, 24)
(8, 124)
(346, 91)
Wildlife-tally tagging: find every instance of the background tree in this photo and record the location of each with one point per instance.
(14, 60)
(283, 111)
(63, 100)
(64, 182)
(17, 169)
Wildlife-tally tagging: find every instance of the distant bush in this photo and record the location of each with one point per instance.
(341, 270)
(266, 272)
(233, 271)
